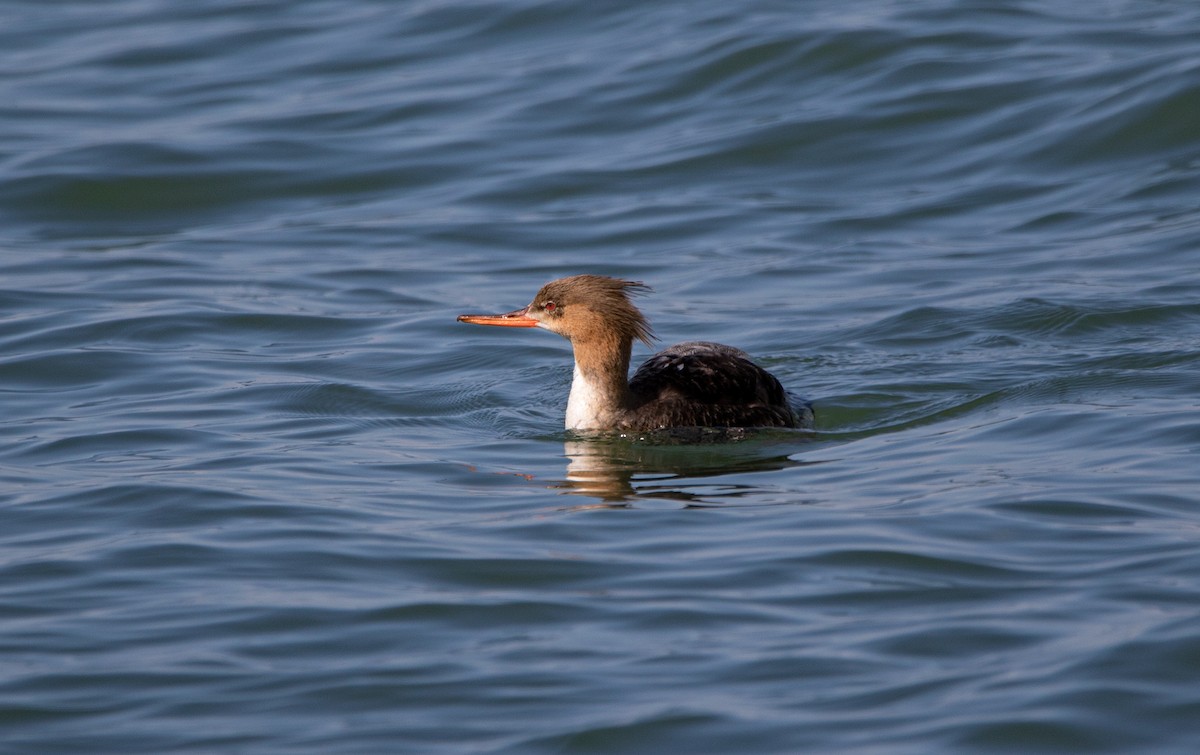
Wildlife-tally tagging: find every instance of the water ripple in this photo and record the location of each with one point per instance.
(262, 492)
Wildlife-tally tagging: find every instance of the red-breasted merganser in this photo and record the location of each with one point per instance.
(693, 384)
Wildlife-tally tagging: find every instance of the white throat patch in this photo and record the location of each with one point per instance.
(583, 406)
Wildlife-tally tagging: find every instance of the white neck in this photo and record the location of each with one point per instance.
(585, 404)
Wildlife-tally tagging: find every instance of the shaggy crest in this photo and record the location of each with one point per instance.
(608, 299)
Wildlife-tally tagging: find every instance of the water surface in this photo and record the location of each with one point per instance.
(262, 493)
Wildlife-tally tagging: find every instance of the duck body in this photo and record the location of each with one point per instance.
(704, 384)
(692, 384)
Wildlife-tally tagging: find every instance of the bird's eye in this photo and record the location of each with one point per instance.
(549, 306)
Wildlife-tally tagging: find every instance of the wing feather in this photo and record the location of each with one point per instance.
(709, 385)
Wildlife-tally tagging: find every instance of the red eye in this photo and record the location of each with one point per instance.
(548, 306)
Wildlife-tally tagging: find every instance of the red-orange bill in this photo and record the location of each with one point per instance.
(517, 319)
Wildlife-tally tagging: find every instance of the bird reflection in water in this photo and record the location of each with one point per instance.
(622, 472)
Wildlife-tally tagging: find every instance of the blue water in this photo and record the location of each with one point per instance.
(261, 493)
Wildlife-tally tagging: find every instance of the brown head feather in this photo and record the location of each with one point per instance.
(583, 307)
